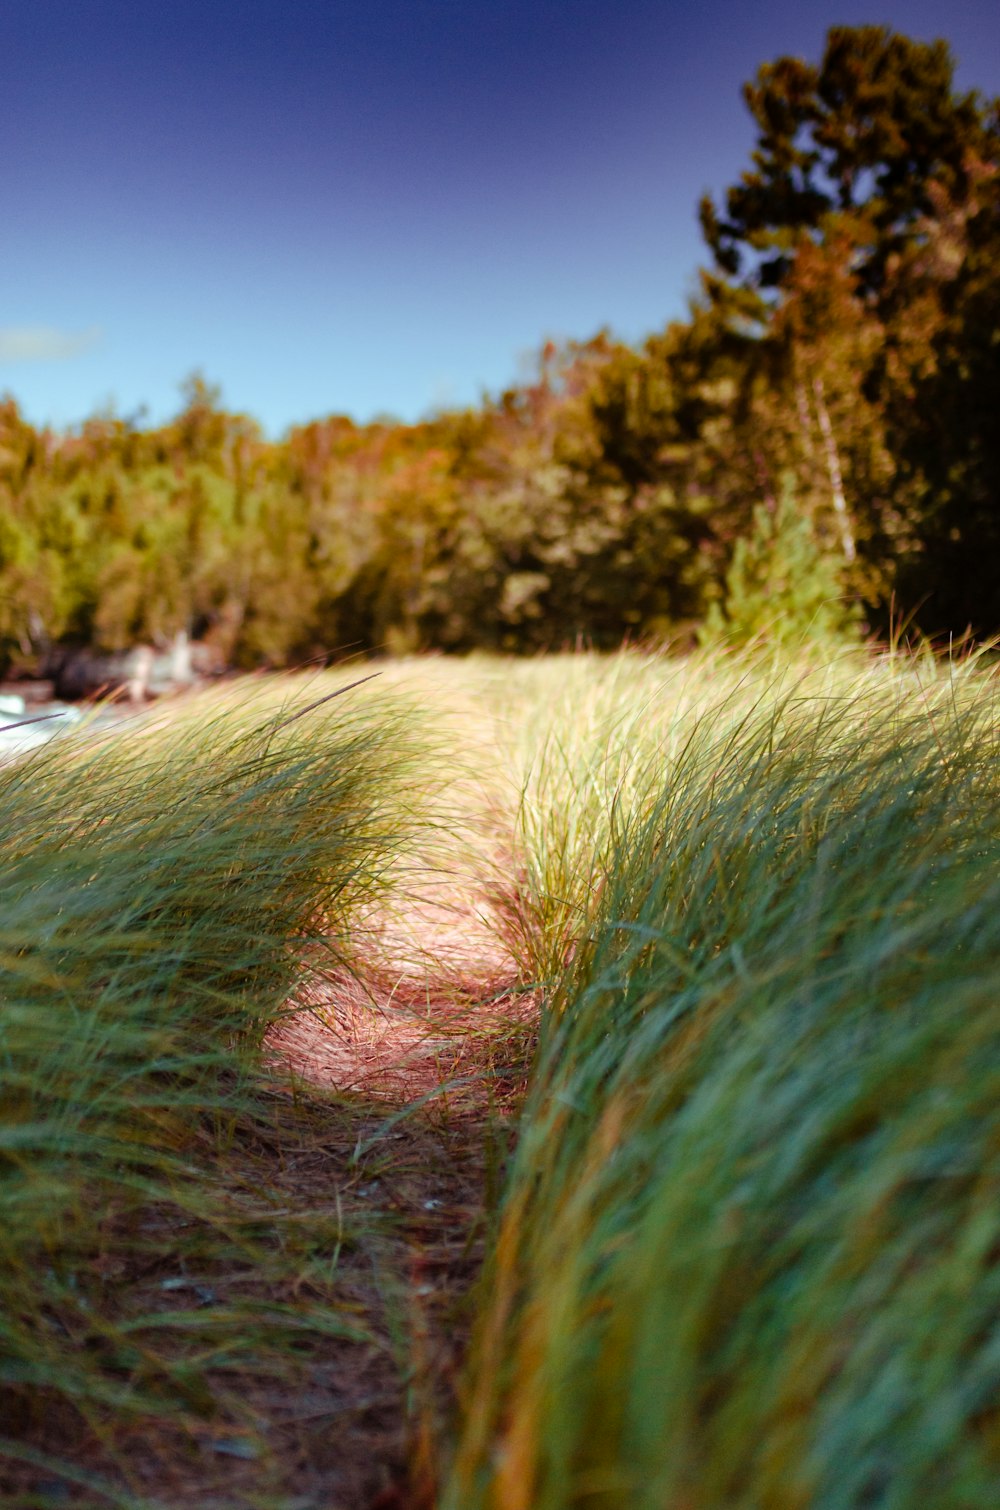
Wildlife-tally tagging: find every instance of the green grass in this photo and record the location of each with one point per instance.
(747, 1253)
(160, 890)
(749, 1249)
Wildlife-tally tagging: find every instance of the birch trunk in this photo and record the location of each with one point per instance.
(834, 472)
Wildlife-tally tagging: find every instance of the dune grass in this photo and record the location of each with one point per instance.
(748, 1251)
(160, 889)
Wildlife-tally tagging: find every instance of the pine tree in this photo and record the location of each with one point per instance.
(783, 587)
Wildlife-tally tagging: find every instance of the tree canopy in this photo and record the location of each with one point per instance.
(828, 409)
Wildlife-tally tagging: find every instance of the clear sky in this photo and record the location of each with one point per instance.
(369, 206)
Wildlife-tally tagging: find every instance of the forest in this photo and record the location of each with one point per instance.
(813, 451)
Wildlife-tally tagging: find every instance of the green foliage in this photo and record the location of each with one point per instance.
(782, 587)
(942, 425)
(748, 1253)
(844, 336)
(865, 133)
(861, 250)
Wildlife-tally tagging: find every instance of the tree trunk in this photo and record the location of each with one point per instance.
(833, 469)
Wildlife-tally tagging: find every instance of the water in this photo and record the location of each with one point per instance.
(24, 728)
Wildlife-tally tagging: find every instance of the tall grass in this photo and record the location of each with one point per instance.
(587, 739)
(159, 891)
(748, 1255)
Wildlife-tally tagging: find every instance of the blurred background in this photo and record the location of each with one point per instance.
(504, 326)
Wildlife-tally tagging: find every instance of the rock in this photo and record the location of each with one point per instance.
(141, 672)
(82, 673)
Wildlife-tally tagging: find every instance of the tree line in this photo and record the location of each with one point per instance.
(814, 449)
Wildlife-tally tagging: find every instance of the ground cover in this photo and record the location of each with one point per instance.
(748, 1250)
(162, 1286)
(272, 985)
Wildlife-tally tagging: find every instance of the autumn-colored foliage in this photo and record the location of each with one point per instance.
(843, 352)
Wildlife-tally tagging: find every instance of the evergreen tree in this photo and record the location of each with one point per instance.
(783, 587)
(863, 135)
(858, 259)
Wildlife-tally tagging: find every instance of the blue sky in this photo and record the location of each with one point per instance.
(359, 207)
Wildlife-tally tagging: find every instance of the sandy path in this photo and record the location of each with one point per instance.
(434, 992)
(434, 1023)
(436, 997)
